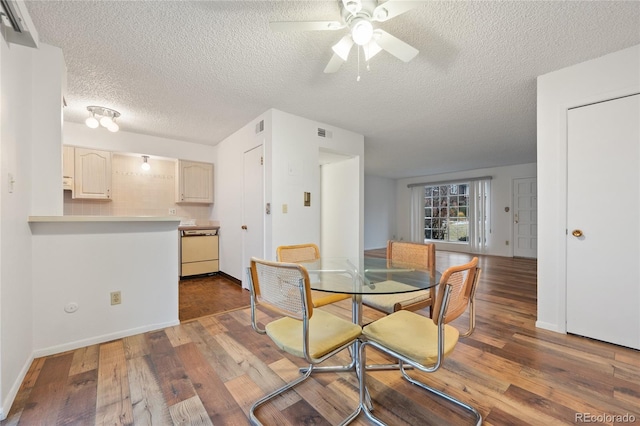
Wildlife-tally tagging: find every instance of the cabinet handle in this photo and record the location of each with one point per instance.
(577, 233)
(244, 226)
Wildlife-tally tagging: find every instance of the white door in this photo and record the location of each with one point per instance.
(252, 209)
(603, 231)
(525, 217)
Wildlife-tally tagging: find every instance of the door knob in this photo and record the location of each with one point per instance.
(576, 233)
(244, 226)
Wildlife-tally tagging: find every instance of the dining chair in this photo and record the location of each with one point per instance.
(314, 335)
(413, 253)
(308, 253)
(421, 342)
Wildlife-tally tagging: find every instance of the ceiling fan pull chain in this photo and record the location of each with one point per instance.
(358, 79)
(365, 57)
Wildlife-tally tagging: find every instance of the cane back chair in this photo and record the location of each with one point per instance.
(422, 342)
(314, 335)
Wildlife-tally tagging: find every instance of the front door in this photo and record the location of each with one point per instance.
(525, 218)
(603, 230)
(252, 209)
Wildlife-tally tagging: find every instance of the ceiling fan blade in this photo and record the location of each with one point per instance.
(371, 50)
(392, 8)
(306, 26)
(343, 47)
(334, 64)
(395, 46)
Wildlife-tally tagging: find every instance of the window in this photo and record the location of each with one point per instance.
(452, 212)
(445, 212)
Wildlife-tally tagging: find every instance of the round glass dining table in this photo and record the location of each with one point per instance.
(367, 275)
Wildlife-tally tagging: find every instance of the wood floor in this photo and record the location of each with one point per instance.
(208, 295)
(210, 370)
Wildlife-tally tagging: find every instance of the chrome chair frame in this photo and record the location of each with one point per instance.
(402, 359)
(305, 328)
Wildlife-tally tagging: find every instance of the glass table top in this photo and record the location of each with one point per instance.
(368, 275)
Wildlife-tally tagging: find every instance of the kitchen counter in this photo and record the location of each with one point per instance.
(71, 219)
(198, 225)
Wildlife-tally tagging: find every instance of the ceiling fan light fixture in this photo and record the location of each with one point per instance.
(361, 31)
(371, 50)
(343, 47)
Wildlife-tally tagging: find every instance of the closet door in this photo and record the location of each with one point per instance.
(603, 226)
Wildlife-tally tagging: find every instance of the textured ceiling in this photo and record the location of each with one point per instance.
(200, 70)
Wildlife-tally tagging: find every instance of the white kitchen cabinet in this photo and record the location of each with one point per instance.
(68, 158)
(194, 182)
(92, 174)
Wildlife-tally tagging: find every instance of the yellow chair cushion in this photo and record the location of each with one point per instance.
(386, 302)
(326, 333)
(321, 298)
(411, 335)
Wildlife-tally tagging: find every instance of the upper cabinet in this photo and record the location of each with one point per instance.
(68, 157)
(92, 174)
(194, 182)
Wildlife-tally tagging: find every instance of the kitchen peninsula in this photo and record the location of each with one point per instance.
(80, 260)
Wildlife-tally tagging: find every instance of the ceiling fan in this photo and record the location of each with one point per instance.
(358, 16)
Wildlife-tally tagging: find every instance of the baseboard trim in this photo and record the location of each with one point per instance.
(230, 278)
(52, 350)
(550, 326)
(13, 392)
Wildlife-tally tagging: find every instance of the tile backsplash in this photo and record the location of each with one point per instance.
(135, 192)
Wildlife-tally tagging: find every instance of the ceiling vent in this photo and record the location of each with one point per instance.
(16, 25)
(323, 133)
(259, 126)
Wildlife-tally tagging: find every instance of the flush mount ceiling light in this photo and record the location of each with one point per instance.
(101, 116)
(145, 165)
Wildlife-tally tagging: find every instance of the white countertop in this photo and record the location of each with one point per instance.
(71, 219)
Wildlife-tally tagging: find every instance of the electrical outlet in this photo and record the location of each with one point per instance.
(116, 298)
(172, 212)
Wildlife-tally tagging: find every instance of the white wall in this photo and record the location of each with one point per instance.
(611, 76)
(379, 211)
(83, 262)
(341, 201)
(501, 197)
(127, 142)
(296, 169)
(30, 120)
(15, 239)
(291, 148)
(49, 85)
(229, 191)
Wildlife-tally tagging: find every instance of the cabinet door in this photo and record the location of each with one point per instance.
(92, 174)
(68, 158)
(194, 182)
